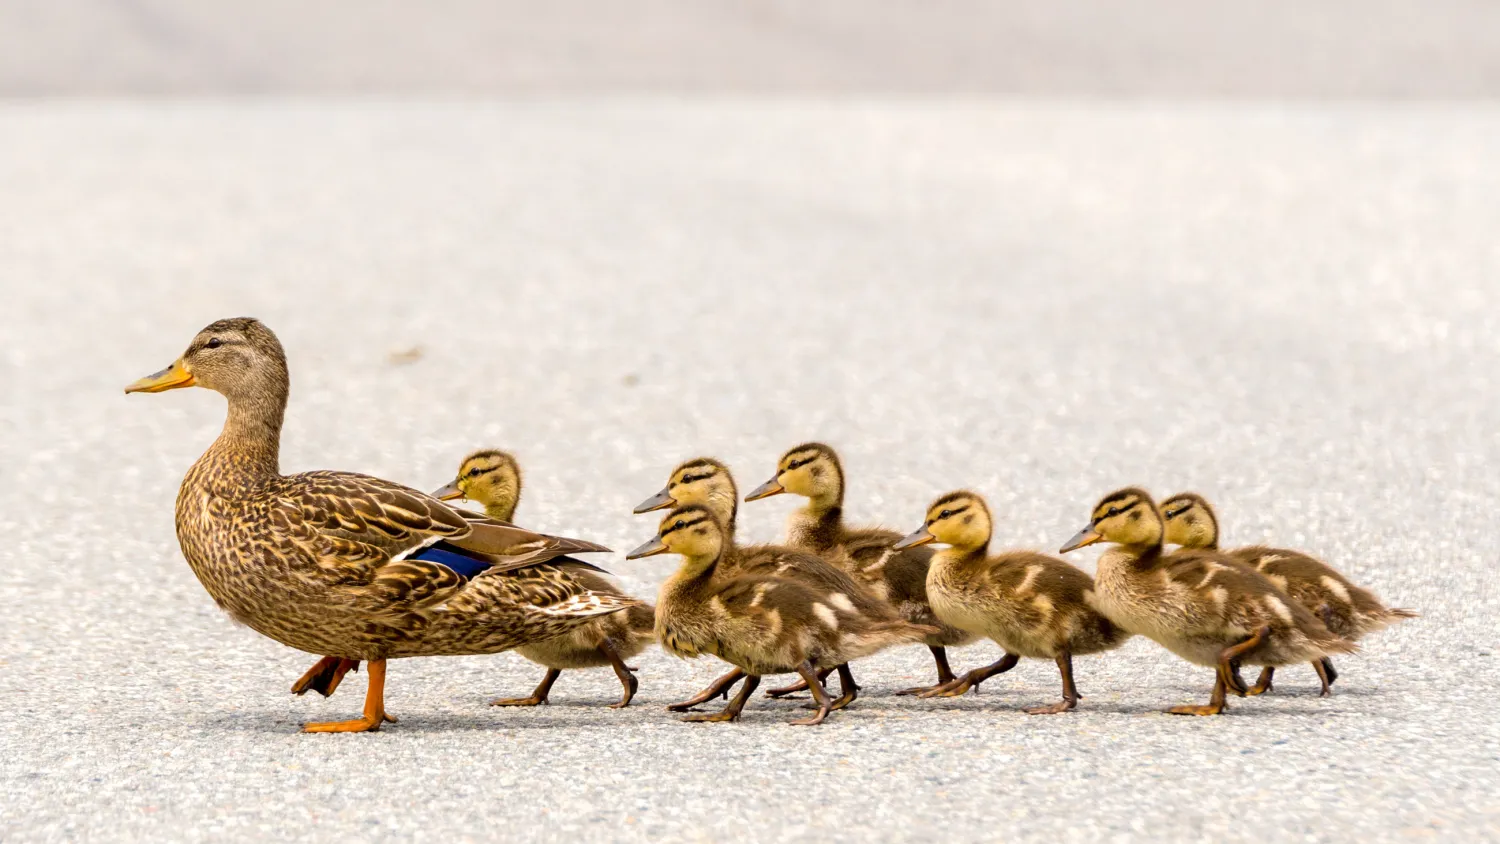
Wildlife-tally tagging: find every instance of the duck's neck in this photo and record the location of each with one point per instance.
(695, 575)
(817, 526)
(1141, 557)
(249, 447)
(504, 511)
(951, 557)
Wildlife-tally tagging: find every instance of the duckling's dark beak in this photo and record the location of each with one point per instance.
(1087, 536)
(766, 490)
(170, 378)
(448, 492)
(649, 548)
(920, 536)
(656, 502)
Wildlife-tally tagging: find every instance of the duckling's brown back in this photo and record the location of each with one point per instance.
(1347, 609)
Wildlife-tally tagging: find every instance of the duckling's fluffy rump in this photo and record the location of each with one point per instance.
(628, 632)
(1348, 610)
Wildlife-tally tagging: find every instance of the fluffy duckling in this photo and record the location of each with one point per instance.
(492, 479)
(707, 482)
(899, 577)
(1200, 605)
(758, 622)
(1346, 609)
(1029, 604)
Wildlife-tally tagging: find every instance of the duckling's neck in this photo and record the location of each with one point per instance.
(695, 574)
(250, 444)
(817, 526)
(953, 556)
(504, 511)
(1142, 557)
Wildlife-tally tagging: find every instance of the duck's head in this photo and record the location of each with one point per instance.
(811, 470)
(694, 531)
(703, 480)
(490, 477)
(1191, 521)
(1124, 517)
(239, 358)
(959, 519)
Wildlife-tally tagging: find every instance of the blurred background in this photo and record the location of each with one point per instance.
(1361, 49)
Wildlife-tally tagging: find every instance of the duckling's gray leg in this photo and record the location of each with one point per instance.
(1070, 692)
(945, 674)
(972, 679)
(1324, 667)
(820, 697)
(538, 697)
(799, 686)
(1262, 683)
(624, 672)
(735, 707)
(715, 689)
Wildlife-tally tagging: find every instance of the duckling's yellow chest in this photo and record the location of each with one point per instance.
(1147, 603)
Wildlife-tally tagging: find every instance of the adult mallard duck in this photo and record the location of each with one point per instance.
(1029, 604)
(347, 565)
(1346, 609)
(895, 575)
(760, 623)
(492, 479)
(1200, 605)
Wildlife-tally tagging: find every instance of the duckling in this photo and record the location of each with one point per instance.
(707, 481)
(1346, 609)
(758, 622)
(1029, 604)
(899, 577)
(492, 479)
(1200, 605)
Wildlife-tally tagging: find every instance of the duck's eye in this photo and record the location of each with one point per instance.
(213, 343)
(1113, 511)
(945, 514)
(680, 525)
(476, 472)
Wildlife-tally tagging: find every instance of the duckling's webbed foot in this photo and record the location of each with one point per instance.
(848, 689)
(972, 679)
(718, 688)
(537, 698)
(733, 710)
(628, 681)
(1262, 683)
(820, 697)
(325, 675)
(1070, 692)
(1216, 704)
(945, 674)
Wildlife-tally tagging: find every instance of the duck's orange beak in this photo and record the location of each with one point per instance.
(649, 548)
(170, 378)
(1087, 536)
(657, 502)
(448, 492)
(766, 490)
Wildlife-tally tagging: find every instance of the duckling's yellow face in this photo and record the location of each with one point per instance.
(693, 532)
(811, 471)
(1190, 521)
(491, 478)
(959, 519)
(239, 358)
(1126, 517)
(704, 481)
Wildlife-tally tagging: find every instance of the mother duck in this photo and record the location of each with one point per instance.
(345, 565)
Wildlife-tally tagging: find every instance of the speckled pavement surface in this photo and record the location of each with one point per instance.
(1293, 310)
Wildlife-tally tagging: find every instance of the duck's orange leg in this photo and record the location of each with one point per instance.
(324, 677)
(374, 708)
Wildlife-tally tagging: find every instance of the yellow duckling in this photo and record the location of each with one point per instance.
(493, 479)
(1200, 605)
(707, 482)
(869, 555)
(1029, 604)
(1346, 609)
(760, 623)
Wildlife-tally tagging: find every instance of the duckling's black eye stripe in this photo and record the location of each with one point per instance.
(692, 479)
(957, 510)
(798, 464)
(1123, 510)
(1172, 514)
(698, 521)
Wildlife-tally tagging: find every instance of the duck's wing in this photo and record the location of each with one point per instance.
(392, 548)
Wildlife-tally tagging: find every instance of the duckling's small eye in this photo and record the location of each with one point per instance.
(1113, 511)
(476, 472)
(213, 343)
(945, 514)
(680, 525)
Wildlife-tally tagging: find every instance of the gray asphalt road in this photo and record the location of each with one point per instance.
(1294, 311)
